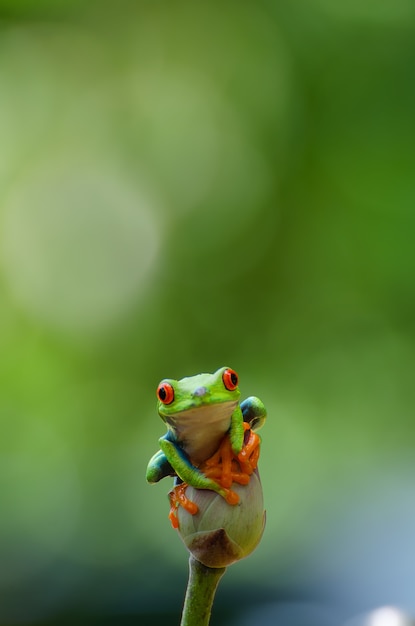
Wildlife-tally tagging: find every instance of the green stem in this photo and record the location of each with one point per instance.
(201, 589)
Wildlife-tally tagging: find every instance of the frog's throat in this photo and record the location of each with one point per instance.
(201, 429)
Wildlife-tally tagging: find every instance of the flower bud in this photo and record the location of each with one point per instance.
(220, 533)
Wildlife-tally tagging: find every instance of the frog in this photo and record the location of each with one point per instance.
(207, 427)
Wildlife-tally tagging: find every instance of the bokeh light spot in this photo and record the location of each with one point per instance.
(388, 616)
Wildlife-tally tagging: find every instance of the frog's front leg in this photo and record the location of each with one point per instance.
(158, 468)
(236, 431)
(190, 474)
(254, 412)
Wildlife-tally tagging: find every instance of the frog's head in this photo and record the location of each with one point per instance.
(179, 396)
(199, 408)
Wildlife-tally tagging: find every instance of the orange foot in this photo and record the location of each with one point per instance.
(178, 498)
(249, 455)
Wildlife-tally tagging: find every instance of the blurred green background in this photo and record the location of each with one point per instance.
(186, 185)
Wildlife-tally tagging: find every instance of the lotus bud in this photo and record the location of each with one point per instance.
(219, 533)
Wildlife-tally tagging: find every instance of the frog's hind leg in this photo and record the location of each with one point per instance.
(177, 497)
(219, 465)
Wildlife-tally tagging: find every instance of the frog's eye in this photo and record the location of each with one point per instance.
(230, 379)
(165, 393)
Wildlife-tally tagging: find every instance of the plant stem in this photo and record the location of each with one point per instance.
(201, 589)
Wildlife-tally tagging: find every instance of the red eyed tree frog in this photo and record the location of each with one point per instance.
(206, 423)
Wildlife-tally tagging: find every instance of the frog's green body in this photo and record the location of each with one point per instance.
(198, 412)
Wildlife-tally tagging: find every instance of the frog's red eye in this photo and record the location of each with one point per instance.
(230, 379)
(165, 393)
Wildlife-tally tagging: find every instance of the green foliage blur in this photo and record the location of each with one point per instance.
(184, 186)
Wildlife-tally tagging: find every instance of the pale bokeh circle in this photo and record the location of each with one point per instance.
(77, 243)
